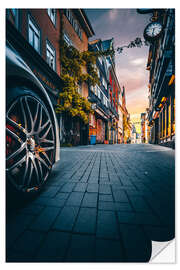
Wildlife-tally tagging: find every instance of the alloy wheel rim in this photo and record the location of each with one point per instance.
(30, 143)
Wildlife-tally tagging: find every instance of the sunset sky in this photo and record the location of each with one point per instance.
(124, 25)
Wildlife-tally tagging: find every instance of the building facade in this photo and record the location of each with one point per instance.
(161, 66)
(34, 33)
(143, 127)
(127, 127)
(114, 92)
(75, 31)
(120, 121)
(99, 96)
(104, 122)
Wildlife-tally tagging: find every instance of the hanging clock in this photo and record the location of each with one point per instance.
(153, 31)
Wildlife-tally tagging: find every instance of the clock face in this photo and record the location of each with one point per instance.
(153, 30)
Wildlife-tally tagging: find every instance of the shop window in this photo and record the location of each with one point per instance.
(34, 35)
(160, 125)
(173, 115)
(50, 55)
(164, 126)
(169, 119)
(52, 14)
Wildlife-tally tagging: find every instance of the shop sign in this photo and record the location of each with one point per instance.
(44, 79)
(100, 113)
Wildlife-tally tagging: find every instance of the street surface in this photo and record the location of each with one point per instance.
(101, 203)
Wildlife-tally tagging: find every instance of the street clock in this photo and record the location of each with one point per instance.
(153, 31)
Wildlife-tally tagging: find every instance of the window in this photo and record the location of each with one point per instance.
(34, 36)
(50, 55)
(67, 40)
(52, 14)
(73, 22)
(15, 16)
(98, 93)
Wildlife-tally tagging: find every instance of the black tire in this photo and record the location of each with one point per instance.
(30, 143)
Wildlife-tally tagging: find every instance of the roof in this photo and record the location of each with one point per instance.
(84, 21)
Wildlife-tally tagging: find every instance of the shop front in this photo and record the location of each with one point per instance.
(98, 127)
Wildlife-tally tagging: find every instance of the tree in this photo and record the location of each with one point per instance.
(138, 42)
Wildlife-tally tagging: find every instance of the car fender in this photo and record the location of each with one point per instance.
(16, 67)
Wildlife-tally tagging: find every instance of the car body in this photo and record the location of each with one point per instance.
(32, 132)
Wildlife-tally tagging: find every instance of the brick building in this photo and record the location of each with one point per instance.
(99, 95)
(75, 30)
(114, 91)
(34, 33)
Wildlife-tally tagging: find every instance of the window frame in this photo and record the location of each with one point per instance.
(15, 14)
(73, 22)
(51, 50)
(50, 13)
(36, 31)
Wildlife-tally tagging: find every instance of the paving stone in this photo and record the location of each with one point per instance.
(104, 189)
(75, 198)
(16, 227)
(114, 211)
(45, 220)
(125, 180)
(92, 187)
(66, 218)
(131, 235)
(120, 196)
(32, 209)
(159, 234)
(139, 204)
(105, 197)
(90, 200)
(126, 207)
(93, 179)
(68, 187)
(56, 202)
(83, 251)
(114, 206)
(29, 242)
(138, 218)
(81, 187)
(49, 192)
(108, 251)
(18, 256)
(54, 247)
(62, 196)
(106, 225)
(86, 221)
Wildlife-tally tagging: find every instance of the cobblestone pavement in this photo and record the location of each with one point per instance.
(101, 203)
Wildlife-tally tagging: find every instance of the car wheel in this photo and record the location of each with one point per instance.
(30, 143)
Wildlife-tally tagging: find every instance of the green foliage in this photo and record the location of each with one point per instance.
(77, 68)
(75, 65)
